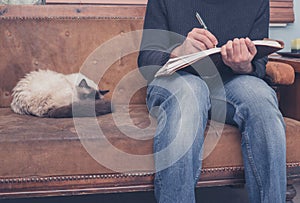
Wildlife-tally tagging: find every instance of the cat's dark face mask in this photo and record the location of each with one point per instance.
(86, 92)
(100, 94)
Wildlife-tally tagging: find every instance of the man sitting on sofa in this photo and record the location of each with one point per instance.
(181, 102)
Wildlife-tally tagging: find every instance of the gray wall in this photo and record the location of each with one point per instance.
(291, 31)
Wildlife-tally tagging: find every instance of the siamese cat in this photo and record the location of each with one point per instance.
(45, 93)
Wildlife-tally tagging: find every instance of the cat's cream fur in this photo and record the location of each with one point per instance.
(43, 90)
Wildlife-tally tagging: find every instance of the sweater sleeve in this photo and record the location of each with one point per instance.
(260, 30)
(156, 44)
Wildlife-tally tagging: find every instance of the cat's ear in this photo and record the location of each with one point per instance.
(103, 92)
(83, 84)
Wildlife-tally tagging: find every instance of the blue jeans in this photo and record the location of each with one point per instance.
(181, 104)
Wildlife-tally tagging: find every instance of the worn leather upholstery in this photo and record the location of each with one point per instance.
(43, 157)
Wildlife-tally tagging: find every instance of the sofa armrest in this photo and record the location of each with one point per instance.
(278, 73)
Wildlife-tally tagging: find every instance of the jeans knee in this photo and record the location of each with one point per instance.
(254, 99)
(189, 91)
(183, 103)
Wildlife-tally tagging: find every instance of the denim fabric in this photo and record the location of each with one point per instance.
(181, 103)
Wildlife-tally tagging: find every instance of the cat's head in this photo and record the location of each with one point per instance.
(84, 91)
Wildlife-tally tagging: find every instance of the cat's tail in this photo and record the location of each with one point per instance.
(19, 101)
(82, 109)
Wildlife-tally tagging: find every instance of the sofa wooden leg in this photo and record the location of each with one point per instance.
(290, 192)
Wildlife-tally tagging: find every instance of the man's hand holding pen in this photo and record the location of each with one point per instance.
(237, 54)
(197, 40)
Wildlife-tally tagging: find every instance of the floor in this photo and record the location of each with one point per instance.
(206, 195)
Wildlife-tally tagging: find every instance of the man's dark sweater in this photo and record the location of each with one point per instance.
(226, 19)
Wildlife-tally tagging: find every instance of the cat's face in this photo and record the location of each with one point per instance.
(84, 92)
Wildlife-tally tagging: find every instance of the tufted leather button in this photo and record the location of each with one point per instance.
(8, 33)
(67, 33)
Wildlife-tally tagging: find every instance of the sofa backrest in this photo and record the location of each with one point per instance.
(61, 38)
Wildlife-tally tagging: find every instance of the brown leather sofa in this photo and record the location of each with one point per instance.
(47, 157)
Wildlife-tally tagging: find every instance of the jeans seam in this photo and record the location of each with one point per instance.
(228, 96)
(161, 95)
(248, 148)
(222, 99)
(158, 175)
(198, 173)
(158, 93)
(252, 164)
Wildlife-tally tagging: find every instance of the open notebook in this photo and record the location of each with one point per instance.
(264, 48)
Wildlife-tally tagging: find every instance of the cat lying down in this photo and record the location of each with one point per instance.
(45, 93)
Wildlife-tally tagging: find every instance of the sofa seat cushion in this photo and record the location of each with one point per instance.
(42, 148)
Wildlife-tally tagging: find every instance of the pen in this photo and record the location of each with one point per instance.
(201, 21)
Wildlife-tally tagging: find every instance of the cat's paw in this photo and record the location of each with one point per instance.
(61, 112)
(103, 107)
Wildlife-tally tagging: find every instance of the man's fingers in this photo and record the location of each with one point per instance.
(202, 39)
(236, 47)
(211, 37)
(224, 52)
(198, 45)
(244, 49)
(192, 46)
(205, 37)
(229, 49)
(251, 47)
